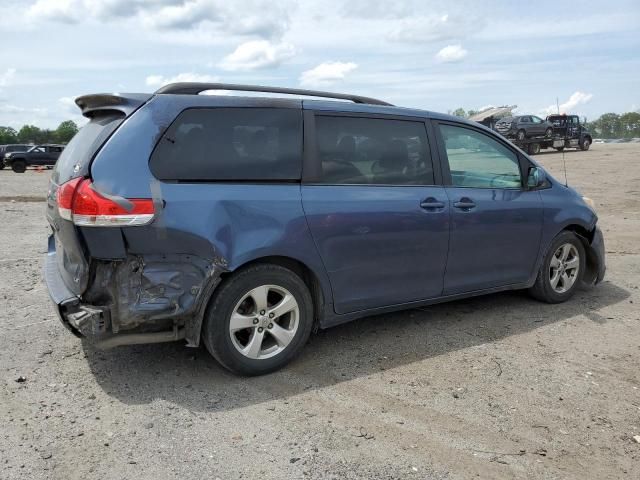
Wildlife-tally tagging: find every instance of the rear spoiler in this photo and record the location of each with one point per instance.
(125, 103)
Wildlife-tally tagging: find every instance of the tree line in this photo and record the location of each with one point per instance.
(32, 134)
(608, 125)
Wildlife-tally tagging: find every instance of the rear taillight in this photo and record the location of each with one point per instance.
(79, 202)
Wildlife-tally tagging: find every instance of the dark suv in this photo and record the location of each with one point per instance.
(248, 222)
(36, 156)
(16, 147)
(524, 126)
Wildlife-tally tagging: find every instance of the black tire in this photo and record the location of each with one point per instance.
(1, 165)
(548, 132)
(585, 143)
(560, 149)
(216, 333)
(542, 289)
(19, 166)
(521, 135)
(534, 148)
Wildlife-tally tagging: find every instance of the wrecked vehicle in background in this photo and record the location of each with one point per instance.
(248, 222)
(521, 127)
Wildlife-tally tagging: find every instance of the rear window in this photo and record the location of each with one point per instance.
(76, 156)
(245, 144)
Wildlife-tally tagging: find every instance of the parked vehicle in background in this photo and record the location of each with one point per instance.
(569, 128)
(524, 126)
(246, 222)
(37, 156)
(16, 147)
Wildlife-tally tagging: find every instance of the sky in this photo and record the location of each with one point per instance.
(435, 55)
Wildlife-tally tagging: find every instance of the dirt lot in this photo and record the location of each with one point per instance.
(494, 387)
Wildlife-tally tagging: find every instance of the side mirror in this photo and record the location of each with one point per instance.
(536, 177)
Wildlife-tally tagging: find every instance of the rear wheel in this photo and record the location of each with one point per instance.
(585, 144)
(560, 273)
(258, 320)
(19, 166)
(521, 135)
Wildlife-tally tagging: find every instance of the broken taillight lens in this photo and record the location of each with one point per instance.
(79, 202)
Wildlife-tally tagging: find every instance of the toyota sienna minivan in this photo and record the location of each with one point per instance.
(248, 222)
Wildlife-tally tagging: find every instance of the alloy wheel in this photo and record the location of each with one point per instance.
(564, 268)
(264, 322)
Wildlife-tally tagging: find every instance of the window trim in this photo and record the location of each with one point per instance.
(312, 169)
(444, 159)
(228, 181)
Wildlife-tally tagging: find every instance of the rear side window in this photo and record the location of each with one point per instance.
(372, 151)
(76, 156)
(244, 144)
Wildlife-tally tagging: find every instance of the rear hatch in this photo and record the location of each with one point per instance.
(504, 125)
(106, 114)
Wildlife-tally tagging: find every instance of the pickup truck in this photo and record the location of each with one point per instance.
(37, 156)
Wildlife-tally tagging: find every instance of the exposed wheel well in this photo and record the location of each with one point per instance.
(591, 263)
(305, 273)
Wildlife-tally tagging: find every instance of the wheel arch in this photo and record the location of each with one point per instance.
(306, 273)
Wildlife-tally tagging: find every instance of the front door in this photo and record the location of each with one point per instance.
(379, 221)
(496, 224)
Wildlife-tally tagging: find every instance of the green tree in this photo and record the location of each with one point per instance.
(609, 125)
(459, 112)
(29, 134)
(8, 135)
(65, 131)
(630, 124)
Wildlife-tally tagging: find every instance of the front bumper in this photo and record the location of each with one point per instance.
(596, 261)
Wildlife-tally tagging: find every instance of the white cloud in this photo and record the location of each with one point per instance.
(431, 28)
(159, 80)
(219, 16)
(326, 73)
(578, 98)
(7, 77)
(451, 54)
(65, 11)
(257, 54)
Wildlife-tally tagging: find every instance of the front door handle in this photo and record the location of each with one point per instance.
(431, 204)
(465, 204)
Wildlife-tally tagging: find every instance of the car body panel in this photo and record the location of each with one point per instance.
(369, 249)
(379, 247)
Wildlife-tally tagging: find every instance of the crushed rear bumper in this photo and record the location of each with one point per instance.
(138, 300)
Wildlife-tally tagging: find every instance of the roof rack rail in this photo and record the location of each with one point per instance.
(194, 88)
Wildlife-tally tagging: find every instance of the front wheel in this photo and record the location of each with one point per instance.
(585, 144)
(561, 270)
(548, 132)
(258, 320)
(521, 135)
(19, 166)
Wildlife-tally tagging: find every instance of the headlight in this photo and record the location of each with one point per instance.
(590, 203)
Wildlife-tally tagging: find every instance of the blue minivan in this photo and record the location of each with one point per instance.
(249, 222)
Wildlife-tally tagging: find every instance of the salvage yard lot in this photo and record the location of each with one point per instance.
(499, 387)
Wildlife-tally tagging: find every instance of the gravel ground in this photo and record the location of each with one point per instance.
(493, 387)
